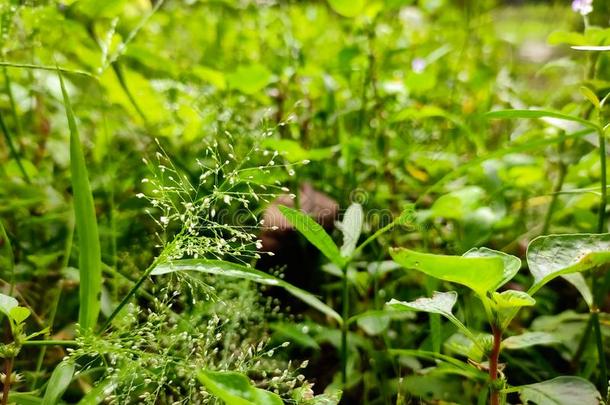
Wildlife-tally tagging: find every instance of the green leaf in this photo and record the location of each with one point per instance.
(552, 256)
(441, 303)
(294, 152)
(250, 79)
(19, 314)
(538, 114)
(595, 48)
(529, 339)
(58, 383)
(7, 303)
(226, 269)
(565, 390)
(481, 274)
(511, 263)
(24, 398)
(295, 333)
(99, 393)
(7, 260)
(314, 233)
(90, 258)
(347, 8)
(236, 389)
(512, 299)
(588, 93)
(351, 226)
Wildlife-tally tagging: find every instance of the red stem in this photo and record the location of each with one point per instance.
(493, 364)
(7, 380)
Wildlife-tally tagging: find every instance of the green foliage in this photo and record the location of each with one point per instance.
(90, 261)
(236, 389)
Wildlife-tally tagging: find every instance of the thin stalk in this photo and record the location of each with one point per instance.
(603, 192)
(11, 98)
(13, 150)
(50, 343)
(43, 350)
(344, 326)
(494, 356)
(132, 292)
(603, 370)
(556, 190)
(7, 379)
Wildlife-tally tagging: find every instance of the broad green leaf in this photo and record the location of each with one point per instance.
(512, 299)
(347, 8)
(314, 233)
(538, 114)
(58, 383)
(481, 274)
(250, 79)
(565, 390)
(226, 269)
(236, 389)
(441, 303)
(90, 258)
(467, 368)
(529, 339)
(552, 256)
(19, 314)
(511, 263)
(350, 227)
(579, 282)
(7, 303)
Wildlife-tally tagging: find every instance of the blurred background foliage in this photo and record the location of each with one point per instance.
(384, 97)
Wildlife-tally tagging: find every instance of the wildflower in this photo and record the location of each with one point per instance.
(418, 65)
(584, 7)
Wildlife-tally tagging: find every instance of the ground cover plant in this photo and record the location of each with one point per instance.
(304, 202)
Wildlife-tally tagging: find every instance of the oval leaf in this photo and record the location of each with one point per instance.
(511, 263)
(58, 383)
(7, 303)
(529, 339)
(564, 390)
(227, 269)
(552, 256)
(481, 274)
(350, 227)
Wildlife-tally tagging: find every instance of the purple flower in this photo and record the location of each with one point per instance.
(418, 65)
(583, 7)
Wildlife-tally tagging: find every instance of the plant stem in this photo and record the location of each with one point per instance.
(49, 343)
(494, 357)
(7, 379)
(132, 292)
(603, 192)
(344, 326)
(556, 189)
(603, 371)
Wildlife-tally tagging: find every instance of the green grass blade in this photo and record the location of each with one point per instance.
(538, 114)
(227, 269)
(314, 233)
(89, 260)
